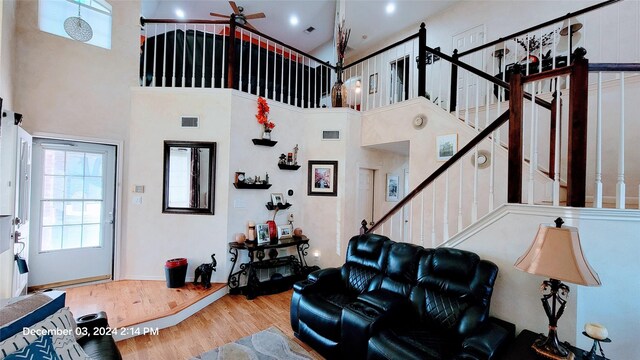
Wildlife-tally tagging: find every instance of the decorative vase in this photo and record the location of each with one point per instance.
(338, 95)
(266, 135)
(273, 232)
(338, 91)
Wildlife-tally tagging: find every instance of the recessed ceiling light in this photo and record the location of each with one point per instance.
(391, 7)
(293, 20)
(180, 13)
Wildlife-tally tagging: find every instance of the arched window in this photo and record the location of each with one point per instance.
(53, 13)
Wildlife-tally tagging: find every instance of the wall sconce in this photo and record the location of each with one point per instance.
(358, 87)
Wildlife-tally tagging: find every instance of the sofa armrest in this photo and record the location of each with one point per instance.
(487, 343)
(319, 279)
(385, 301)
(98, 342)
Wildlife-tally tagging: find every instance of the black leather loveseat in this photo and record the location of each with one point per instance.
(400, 301)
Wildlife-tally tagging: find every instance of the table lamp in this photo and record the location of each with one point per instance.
(569, 28)
(556, 253)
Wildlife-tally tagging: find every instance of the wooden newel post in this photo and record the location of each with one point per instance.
(231, 52)
(363, 228)
(514, 185)
(454, 82)
(422, 61)
(577, 130)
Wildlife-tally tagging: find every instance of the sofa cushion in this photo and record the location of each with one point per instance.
(412, 343)
(41, 349)
(26, 311)
(60, 325)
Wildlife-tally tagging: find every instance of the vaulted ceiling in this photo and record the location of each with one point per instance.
(369, 20)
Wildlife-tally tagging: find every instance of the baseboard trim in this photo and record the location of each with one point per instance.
(61, 284)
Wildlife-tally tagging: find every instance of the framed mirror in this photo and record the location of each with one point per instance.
(189, 177)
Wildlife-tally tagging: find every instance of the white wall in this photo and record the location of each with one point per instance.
(7, 52)
(610, 244)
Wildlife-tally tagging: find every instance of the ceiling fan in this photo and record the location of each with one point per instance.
(239, 15)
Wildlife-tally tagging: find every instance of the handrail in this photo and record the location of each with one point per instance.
(623, 67)
(539, 26)
(411, 37)
(326, 63)
(144, 21)
(484, 75)
(465, 149)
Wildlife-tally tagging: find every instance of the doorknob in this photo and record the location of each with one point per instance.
(17, 221)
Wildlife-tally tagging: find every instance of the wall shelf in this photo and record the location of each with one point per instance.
(288, 167)
(241, 185)
(279, 206)
(264, 142)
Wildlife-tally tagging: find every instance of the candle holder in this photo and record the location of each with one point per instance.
(591, 355)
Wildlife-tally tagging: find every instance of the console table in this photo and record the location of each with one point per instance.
(257, 253)
(520, 349)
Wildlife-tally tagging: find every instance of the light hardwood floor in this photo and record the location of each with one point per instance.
(228, 319)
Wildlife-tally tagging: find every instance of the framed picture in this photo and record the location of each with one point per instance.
(446, 146)
(277, 198)
(285, 231)
(262, 231)
(322, 179)
(393, 188)
(373, 83)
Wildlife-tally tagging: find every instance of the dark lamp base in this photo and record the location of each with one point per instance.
(548, 347)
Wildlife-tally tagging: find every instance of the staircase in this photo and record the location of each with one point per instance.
(558, 139)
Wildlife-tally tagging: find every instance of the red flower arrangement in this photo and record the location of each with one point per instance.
(263, 115)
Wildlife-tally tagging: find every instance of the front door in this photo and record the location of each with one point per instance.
(72, 212)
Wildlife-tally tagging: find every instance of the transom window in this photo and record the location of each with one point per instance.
(72, 200)
(53, 13)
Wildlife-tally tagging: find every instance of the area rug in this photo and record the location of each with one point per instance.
(267, 344)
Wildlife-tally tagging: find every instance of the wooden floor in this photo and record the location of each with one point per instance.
(129, 302)
(226, 320)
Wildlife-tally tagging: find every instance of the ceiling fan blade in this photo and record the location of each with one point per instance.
(234, 7)
(256, 16)
(219, 15)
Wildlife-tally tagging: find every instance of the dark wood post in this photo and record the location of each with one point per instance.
(454, 82)
(231, 52)
(422, 61)
(556, 120)
(514, 185)
(577, 128)
(363, 228)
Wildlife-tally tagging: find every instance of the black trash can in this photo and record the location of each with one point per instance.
(175, 270)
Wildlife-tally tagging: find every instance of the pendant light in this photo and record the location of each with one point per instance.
(77, 28)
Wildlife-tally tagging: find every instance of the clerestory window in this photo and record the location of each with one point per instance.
(97, 13)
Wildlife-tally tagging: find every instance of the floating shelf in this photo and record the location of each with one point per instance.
(288, 167)
(264, 142)
(279, 206)
(251, 186)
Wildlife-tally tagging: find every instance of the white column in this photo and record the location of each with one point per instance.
(620, 187)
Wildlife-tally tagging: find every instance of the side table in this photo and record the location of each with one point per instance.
(520, 349)
(257, 261)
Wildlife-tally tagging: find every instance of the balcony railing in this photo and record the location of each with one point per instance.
(223, 54)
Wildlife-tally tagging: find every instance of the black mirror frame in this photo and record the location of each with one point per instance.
(212, 177)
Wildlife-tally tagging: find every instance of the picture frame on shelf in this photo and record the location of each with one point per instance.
(262, 233)
(373, 83)
(322, 178)
(392, 188)
(277, 198)
(446, 146)
(285, 231)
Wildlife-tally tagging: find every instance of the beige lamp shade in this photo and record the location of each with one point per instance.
(575, 26)
(556, 253)
(500, 50)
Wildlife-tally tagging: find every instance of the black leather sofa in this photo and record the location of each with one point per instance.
(400, 301)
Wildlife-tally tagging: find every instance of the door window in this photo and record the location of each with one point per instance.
(72, 200)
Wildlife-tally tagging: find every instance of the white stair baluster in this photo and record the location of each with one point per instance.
(433, 216)
(146, 54)
(460, 193)
(620, 187)
(193, 58)
(258, 72)
(474, 206)
(532, 145)
(164, 56)
(556, 162)
(155, 52)
(598, 185)
(204, 55)
(445, 227)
